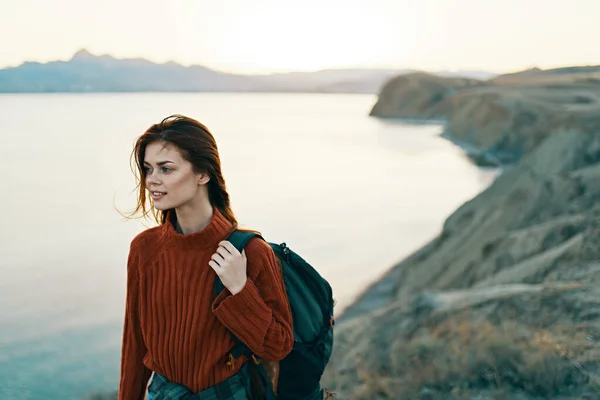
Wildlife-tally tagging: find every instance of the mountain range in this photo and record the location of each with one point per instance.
(86, 72)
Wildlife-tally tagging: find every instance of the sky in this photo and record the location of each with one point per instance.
(265, 36)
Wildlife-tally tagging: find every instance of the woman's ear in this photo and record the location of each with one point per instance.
(203, 178)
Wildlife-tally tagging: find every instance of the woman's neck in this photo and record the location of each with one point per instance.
(194, 218)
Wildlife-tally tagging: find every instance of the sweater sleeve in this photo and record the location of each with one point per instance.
(134, 374)
(259, 315)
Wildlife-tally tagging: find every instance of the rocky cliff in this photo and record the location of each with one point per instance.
(497, 120)
(504, 303)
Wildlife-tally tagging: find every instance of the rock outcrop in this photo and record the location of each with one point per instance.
(499, 120)
(504, 302)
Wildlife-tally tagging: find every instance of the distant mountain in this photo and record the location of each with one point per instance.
(86, 72)
(566, 75)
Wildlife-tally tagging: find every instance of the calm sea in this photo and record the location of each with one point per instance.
(351, 194)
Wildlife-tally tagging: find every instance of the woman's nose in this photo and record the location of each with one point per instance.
(151, 178)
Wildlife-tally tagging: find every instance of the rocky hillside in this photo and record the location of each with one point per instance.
(500, 119)
(504, 303)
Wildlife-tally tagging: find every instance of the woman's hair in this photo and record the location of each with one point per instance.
(198, 146)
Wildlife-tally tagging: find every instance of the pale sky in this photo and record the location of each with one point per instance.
(261, 36)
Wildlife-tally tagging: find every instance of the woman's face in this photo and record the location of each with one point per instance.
(170, 179)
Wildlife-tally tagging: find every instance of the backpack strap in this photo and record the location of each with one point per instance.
(240, 239)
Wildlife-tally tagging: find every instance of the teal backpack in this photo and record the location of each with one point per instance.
(311, 302)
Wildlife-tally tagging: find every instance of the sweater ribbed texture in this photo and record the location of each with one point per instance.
(173, 323)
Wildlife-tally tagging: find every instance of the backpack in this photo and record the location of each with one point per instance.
(311, 300)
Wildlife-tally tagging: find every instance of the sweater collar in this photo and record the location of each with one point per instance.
(218, 229)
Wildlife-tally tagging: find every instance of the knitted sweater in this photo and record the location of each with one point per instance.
(173, 323)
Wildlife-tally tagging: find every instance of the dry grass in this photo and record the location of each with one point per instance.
(461, 356)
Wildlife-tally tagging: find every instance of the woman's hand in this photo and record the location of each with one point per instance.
(230, 266)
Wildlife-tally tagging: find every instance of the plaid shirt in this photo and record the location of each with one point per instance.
(233, 388)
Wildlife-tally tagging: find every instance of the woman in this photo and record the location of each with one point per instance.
(174, 326)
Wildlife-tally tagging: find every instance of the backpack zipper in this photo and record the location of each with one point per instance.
(286, 251)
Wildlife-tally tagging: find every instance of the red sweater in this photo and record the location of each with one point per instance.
(173, 323)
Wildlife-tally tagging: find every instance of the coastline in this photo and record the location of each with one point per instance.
(381, 291)
(514, 269)
(480, 157)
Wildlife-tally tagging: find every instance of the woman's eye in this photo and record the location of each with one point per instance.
(166, 169)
